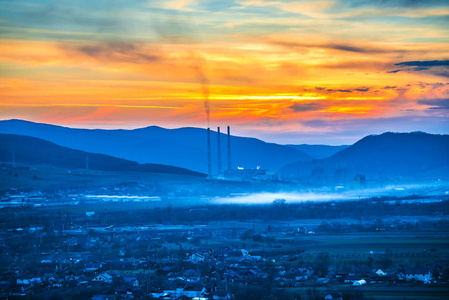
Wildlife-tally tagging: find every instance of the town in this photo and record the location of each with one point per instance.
(224, 150)
(69, 244)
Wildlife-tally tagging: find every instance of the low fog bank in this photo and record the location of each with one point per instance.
(289, 197)
(326, 195)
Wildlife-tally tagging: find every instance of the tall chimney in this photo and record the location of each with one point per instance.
(229, 148)
(219, 150)
(209, 160)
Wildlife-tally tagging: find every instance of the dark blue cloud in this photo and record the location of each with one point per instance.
(115, 51)
(436, 103)
(334, 46)
(356, 49)
(341, 91)
(306, 106)
(362, 89)
(434, 67)
(424, 63)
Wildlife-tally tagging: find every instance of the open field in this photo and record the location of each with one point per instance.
(378, 242)
(47, 178)
(65, 216)
(374, 293)
(139, 233)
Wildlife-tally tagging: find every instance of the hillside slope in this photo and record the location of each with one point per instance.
(318, 151)
(405, 155)
(30, 150)
(183, 147)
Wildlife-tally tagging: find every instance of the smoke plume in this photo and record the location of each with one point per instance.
(175, 29)
(204, 82)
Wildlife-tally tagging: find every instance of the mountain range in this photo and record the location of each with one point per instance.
(412, 155)
(318, 151)
(400, 155)
(34, 151)
(183, 147)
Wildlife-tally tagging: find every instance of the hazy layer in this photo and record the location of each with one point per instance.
(326, 196)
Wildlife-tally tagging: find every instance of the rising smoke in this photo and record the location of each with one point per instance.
(173, 31)
(204, 82)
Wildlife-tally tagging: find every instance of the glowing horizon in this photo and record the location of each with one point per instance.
(283, 71)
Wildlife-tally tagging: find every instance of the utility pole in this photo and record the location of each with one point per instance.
(229, 148)
(14, 159)
(209, 160)
(219, 151)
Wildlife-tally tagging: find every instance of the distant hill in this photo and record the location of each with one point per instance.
(183, 147)
(30, 150)
(318, 151)
(400, 155)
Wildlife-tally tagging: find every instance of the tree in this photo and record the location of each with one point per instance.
(324, 227)
(369, 262)
(279, 202)
(385, 263)
(322, 262)
(445, 275)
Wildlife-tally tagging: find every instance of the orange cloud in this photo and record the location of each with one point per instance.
(270, 82)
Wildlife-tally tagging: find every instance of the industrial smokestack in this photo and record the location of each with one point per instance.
(209, 160)
(219, 151)
(229, 148)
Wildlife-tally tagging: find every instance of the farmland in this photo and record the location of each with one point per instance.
(66, 227)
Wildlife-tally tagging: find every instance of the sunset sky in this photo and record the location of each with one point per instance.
(319, 72)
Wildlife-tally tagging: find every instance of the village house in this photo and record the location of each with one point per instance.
(133, 281)
(359, 282)
(437, 266)
(210, 287)
(104, 277)
(193, 289)
(351, 278)
(128, 292)
(380, 273)
(418, 274)
(159, 294)
(30, 281)
(305, 271)
(221, 295)
(197, 257)
(124, 268)
(92, 266)
(340, 276)
(181, 289)
(334, 296)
